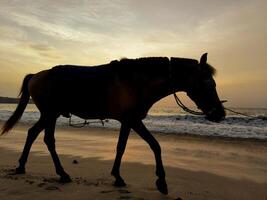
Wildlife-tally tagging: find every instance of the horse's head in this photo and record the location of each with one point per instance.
(198, 83)
(202, 91)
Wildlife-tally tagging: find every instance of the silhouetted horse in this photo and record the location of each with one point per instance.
(122, 90)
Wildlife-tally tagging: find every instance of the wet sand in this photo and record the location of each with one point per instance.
(196, 167)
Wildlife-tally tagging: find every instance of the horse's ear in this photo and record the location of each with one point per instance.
(203, 59)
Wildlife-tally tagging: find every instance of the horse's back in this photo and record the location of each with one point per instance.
(80, 74)
(107, 91)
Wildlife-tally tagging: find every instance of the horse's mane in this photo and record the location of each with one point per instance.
(210, 69)
(145, 61)
(153, 65)
(189, 64)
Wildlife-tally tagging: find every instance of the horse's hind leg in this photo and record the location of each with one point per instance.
(33, 132)
(49, 140)
(141, 130)
(123, 137)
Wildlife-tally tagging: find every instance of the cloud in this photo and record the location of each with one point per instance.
(11, 33)
(45, 51)
(87, 21)
(54, 30)
(40, 47)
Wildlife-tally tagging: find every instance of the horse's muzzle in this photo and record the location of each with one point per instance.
(216, 114)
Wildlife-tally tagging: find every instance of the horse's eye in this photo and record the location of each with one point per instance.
(209, 83)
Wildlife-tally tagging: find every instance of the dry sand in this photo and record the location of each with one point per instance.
(197, 168)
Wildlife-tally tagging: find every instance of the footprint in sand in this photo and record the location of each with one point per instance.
(87, 183)
(96, 183)
(107, 191)
(6, 173)
(50, 180)
(125, 197)
(49, 187)
(120, 191)
(129, 197)
(103, 181)
(41, 184)
(124, 191)
(29, 181)
(52, 187)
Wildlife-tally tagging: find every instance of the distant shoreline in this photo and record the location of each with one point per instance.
(10, 100)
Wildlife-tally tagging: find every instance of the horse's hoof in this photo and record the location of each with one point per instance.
(162, 186)
(119, 182)
(20, 170)
(65, 179)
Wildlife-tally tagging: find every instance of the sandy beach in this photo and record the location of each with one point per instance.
(197, 168)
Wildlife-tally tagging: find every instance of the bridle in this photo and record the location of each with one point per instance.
(186, 109)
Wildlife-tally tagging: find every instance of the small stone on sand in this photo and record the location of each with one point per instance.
(74, 162)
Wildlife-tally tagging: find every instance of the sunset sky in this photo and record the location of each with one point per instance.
(37, 35)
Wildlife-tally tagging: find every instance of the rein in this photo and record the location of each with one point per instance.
(186, 109)
(239, 113)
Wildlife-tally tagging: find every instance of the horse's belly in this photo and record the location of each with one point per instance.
(96, 95)
(113, 103)
(87, 105)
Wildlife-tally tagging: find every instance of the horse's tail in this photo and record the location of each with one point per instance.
(24, 99)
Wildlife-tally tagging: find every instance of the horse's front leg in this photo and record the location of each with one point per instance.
(141, 130)
(123, 137)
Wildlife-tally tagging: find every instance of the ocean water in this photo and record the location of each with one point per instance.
(172, 120)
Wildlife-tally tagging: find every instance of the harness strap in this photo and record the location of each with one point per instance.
(83, 124)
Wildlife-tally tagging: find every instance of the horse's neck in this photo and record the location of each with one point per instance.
(161, 88)
(165, 86)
